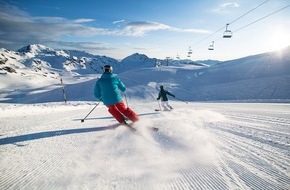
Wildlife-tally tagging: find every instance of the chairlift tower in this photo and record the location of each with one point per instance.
(167, 59)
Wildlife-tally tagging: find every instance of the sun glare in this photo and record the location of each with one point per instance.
(278, 39)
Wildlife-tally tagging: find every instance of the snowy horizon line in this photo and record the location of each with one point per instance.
(119, 60)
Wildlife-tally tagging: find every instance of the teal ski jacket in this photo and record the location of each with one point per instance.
(108, 88)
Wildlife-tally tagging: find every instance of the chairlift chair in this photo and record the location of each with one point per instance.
(189, 51)
(227, 33)
(211, 47)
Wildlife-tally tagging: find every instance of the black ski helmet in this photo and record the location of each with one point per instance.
(108, 68)
(161, 87)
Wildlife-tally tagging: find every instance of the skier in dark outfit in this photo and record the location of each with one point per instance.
(164, 100)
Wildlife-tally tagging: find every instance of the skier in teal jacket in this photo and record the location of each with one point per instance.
(107, 89)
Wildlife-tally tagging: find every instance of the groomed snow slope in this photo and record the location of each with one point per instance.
(198, 146)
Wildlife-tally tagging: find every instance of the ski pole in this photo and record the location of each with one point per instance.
(158, 106)
(126, 100)
(182, 100)
(90, 112)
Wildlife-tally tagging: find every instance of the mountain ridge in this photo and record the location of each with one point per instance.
(38, 57)
(33, 75)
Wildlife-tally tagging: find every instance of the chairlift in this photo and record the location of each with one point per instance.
(228, 33)
(211, 47)
(189, 51)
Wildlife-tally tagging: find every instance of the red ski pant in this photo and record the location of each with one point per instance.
(119, 110)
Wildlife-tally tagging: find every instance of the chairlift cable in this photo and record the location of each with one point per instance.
(197, 47)
(248, 12)
(230, 23)
(217, 39)
(209, 36)
(262, 18)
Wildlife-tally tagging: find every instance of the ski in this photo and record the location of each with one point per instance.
(129, 126)
(155, 129)
(162, 110)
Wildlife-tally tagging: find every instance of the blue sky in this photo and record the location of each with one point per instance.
(157, 28)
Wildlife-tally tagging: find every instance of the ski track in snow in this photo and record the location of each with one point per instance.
(198, 146)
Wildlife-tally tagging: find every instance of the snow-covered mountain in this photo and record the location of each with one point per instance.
(37, 57)
(138, 61)
(68, 60)
(264, 76)
(33, 73)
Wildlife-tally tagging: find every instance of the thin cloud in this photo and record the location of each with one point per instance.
(141, 28)
(201, 31)
(225, 7)
(17, 28)
(86, 46)
(21, 29)
(83, 20)
(118, 21)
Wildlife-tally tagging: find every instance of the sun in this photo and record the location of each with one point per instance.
(278, 39)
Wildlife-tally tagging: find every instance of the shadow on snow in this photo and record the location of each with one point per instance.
(47, 134)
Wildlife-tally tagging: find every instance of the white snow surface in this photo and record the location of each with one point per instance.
(239, 144)
(198, 146)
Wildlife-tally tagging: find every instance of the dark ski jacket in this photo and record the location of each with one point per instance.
(163, 95)
(108, 89)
